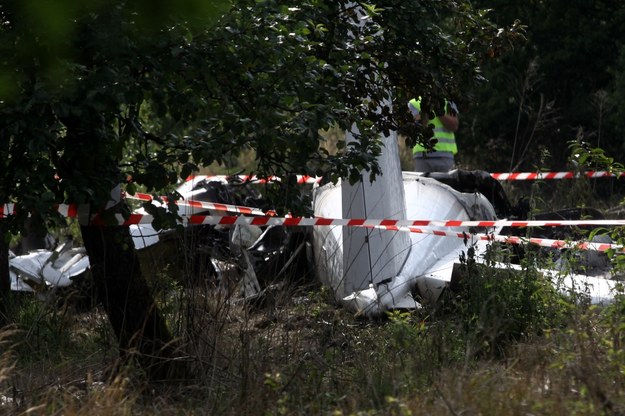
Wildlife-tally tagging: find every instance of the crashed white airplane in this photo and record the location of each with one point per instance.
(370, 270)
(374, 270)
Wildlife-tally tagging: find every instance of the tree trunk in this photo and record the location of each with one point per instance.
(5, 279)
(128, 301)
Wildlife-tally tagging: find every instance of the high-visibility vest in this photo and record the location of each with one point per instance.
(446, 139)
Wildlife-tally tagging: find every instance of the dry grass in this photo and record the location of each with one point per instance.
(298, 354)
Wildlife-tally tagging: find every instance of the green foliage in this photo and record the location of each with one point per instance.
(103, 92)
(593, 158)
(79, 77)
(613, 317)
(536, 94)
(588, 157)
(496, 307)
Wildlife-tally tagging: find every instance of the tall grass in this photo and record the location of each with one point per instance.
(502, 345)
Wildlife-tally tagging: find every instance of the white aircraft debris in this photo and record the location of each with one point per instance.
(374, 270)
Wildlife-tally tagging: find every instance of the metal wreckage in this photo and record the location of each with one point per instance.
(370, 269)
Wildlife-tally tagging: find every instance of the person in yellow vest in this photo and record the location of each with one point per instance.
(444, 126)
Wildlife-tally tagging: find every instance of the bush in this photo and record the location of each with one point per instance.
(494, 307)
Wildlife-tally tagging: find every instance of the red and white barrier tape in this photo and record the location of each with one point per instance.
(320, 221)
(263, 219)
(66, 210)
(206, 205)
(136, 219)
(71, 210)
(533, 176)
(391, 225)
(6, 210)
(543, 242)
(515, 176)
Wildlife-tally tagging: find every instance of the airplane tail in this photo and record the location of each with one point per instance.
(371, 256)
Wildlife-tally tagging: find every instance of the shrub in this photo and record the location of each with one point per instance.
(494, 307)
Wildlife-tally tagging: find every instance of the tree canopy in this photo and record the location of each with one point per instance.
(96, 93)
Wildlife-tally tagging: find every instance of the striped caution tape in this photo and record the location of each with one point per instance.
(515, 176)
(6, 210)
(66, 210)
(533, 176)
(320, 221)
(136, 219)
(71, 210)
(542, 242)
(206, 205)
(301, 179)
(263, 218)
(413, 226)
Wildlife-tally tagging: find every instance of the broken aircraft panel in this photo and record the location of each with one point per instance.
(41, 269)
(374, 270)
(259, 254)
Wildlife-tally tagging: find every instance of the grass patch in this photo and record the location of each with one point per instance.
(300, 354)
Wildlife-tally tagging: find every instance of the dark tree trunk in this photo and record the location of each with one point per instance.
(128, 301)
(5, 279)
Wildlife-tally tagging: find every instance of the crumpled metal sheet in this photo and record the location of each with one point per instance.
(47, 268)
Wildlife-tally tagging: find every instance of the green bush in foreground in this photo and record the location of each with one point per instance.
(495, 307)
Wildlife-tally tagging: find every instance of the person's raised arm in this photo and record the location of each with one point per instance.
(450, 118)
(450, 122)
